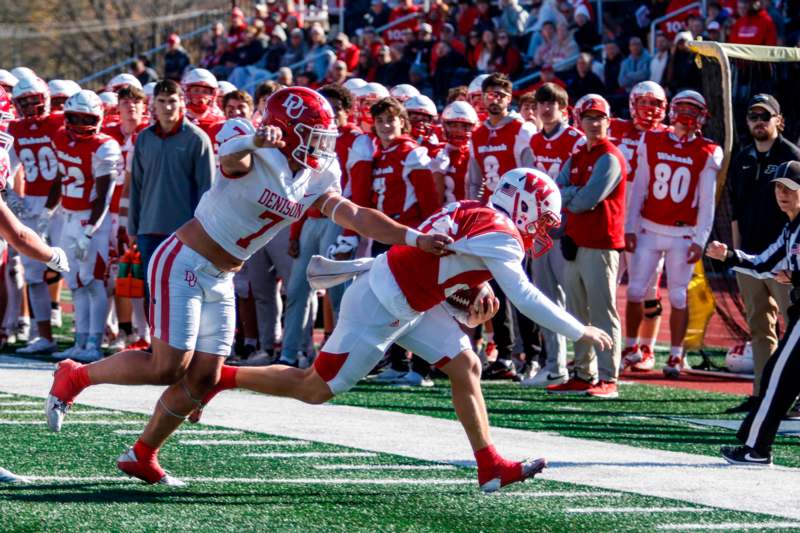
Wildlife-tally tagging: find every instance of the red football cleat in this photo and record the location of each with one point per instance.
(63, 392)
(648, 360)
(575, 386)
(604, 389)
(148, 471)
(507, 472)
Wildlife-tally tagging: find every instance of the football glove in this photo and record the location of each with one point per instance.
(345, 245)
(59, 261)
(82, 244)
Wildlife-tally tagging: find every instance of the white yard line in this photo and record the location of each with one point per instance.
(232, 442)
(685, 477)
(17, 404)
(40, 412)
(635, 510)
(563, 494)
(272, 481)
(75, 422)
(186, 432)
(383, 467)
(302, 455)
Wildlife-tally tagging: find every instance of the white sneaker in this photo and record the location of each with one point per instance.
(91, 354)
(390, 375)
(543, 378)
(55, 318)
(412, 379)
(118, 344)
(23, 331)
(39, 345)
(9, 477)
(69, 353)
(675, 365)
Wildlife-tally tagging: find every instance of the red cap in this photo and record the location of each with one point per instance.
(173, 38)
(237, 12)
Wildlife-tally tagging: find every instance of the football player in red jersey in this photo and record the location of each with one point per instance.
(132, 120)
(499, 144)
(366, 96)
(475, 96)
(648, 107)
(552, 147)
(450, 164)
(401, 296)
(267, 180)
(60, 91)
(201, 89)
(671, 210)
(33, 151)
(422, 115)
(88, 162)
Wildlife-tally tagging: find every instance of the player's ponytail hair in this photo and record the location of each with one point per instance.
(394, 108)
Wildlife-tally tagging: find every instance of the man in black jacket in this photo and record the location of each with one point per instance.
(757, 222)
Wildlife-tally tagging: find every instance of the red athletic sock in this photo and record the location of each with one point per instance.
(80, 377)
(144, 452)
(491, 464)
(227, 378)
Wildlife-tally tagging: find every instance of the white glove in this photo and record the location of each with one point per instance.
(344, 246)
(59, 261)
(82, 244)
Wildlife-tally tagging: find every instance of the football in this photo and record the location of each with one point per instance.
(466, 298)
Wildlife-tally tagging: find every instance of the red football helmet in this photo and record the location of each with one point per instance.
(647, 104)
(5, 116)
(689, 108)
(533, 202)
(307, 123)
(31, 97)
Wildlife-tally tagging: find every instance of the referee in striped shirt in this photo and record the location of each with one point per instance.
(780, 382)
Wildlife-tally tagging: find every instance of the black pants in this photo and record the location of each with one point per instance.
(396, 353)
(780, 385)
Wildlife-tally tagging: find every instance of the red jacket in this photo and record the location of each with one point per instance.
(350, 56)
(604, 226)
(754, 29)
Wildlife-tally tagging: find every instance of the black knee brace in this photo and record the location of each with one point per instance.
(652, 308)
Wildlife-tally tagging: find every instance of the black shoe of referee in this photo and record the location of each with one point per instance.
(745, 456)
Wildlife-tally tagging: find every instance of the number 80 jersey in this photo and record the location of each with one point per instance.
(33, 149)
(80, 162)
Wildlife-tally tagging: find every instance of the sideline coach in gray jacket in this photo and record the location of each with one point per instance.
(173, 165)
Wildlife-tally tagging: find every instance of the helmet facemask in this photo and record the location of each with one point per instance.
(455, 133)
(535, 225)
(32, 105)
(421, 124)
(689, 115)
(316, 149)
(199, 98)
(81, 125)
(649, 112)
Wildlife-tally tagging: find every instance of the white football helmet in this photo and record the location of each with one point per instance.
(368, 95)
(6, 115)
(235, 127)
(121, 80)
(36, 97)
(421, 114)
(148, 89)
(7, 80)
(354, 83)
(459, 112)
(65, 88)
(421, 104)
(533, 202)
(110, 102)
(226, 87)
(198, 103)
(647, 104)
(475, 92)
(739, 359)
(591, 102)
(693, 115)
(83, 114)
(23, 72)
(403, 92)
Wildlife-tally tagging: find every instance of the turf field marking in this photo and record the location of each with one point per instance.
(564, 494)
(72, 413)
(384, 467)
(4, 395)
(19, 404)
(643, 510)
(729, 526)
(311, 454)
(244, 442)
(73, 422)
(186, 432)
(255, 480)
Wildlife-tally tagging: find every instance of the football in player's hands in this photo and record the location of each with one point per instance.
(465, 299)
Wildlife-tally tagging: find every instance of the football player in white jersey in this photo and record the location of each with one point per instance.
(402, 297)
(267, 180)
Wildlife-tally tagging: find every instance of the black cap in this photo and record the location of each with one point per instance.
(767, 101)
(789, 175)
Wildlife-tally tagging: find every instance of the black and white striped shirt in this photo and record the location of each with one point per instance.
(783, 254)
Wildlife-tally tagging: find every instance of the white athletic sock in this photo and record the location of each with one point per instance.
(249, 341)
(630, 342)
(139, 319)
(83, 306)
(39, 300)
(675, 351)
(98, 306)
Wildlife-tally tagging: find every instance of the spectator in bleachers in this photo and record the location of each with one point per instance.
(547, 48)
(754, 25)
(458, 94)
(696, 26)
(506, 58)
(346, 51)
(455, 44)
(296, 49)
(337, 74)
(237, 31)
(777, 19)
(438, 16)
(176, 60)
(419, 50)
(392, 68)
(378, 14)
(285, 76)
(635, 67)
(513, 18)
(612, 64)
(660, 59)
(320, 54)
(584, 81)
(484, 51)
(473, 47)
(586, 32)
(173, 165)
(275, 50)
(142, 70)
(682, 71)
(713, 32)
(404, 8)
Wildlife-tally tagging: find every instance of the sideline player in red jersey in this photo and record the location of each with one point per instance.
(267, 180)
(33, 150)
(671, 210)
(201, 89)
(450, 164)
(552, 147)
(88, 162)
(647, 104)
(400, 297)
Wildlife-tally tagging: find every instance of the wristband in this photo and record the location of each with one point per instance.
(411, 237)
